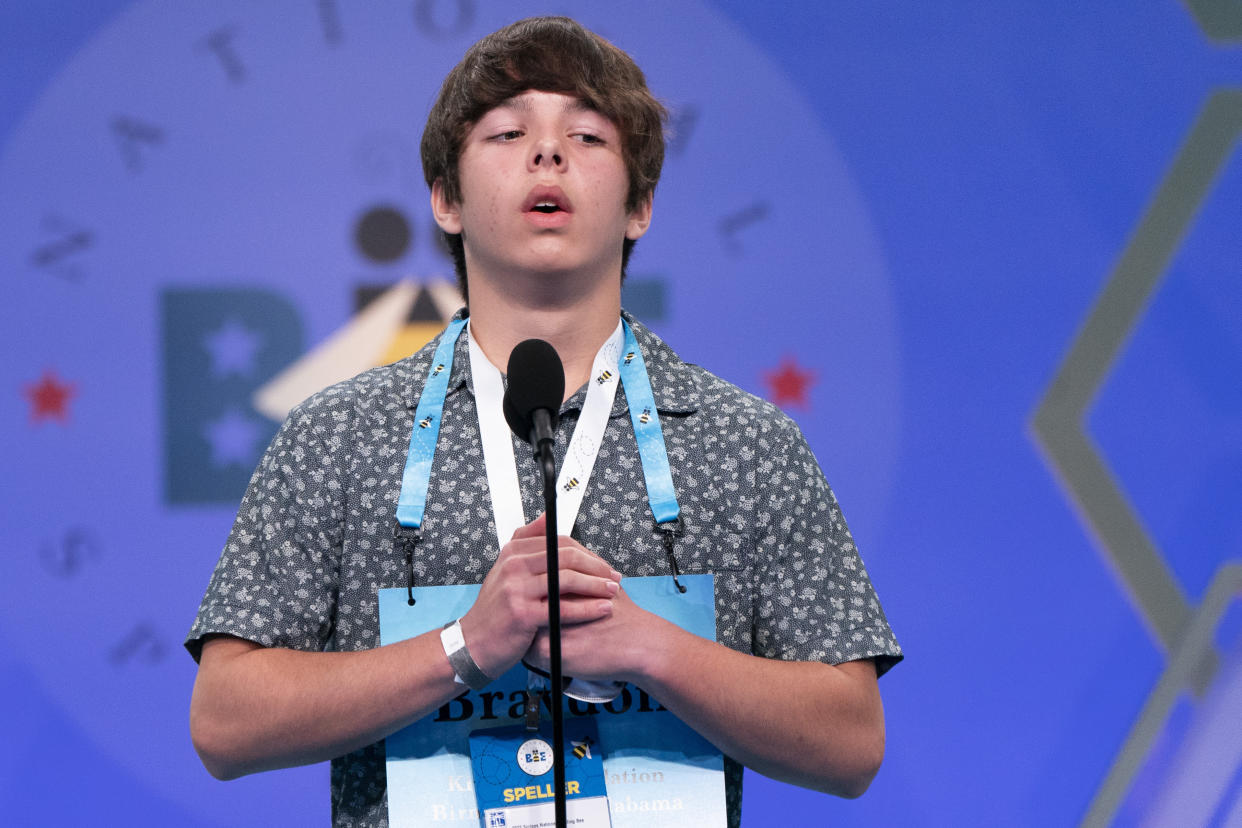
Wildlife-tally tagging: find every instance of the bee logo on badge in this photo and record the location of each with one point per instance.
(645, 417)
(604, 377)
(582, 750)
(425, 422)
(570, 484)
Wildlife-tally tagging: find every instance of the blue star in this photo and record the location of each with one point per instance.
(233, 347)
(232, 436)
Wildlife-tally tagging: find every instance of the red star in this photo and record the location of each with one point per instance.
(49, 398)
(788, 384)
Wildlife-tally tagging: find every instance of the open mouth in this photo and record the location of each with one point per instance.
(547, 201)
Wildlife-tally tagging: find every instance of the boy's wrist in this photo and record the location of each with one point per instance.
(465, 670)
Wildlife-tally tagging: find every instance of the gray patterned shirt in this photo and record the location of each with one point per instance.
(313, 543)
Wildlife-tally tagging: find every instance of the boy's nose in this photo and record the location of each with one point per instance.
(547, 152)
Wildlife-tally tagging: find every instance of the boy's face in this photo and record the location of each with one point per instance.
(543, 189)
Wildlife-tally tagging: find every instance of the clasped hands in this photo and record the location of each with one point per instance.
(601, 627)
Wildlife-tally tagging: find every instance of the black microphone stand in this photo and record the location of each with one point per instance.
(543, 452)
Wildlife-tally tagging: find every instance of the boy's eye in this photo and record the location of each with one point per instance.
(588, 138)
(509, 135)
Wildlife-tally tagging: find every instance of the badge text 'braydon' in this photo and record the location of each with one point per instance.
(486, 703)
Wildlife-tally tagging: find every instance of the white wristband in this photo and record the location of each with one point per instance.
(465, 670)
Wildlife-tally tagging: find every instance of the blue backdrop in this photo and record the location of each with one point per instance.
(986, 254)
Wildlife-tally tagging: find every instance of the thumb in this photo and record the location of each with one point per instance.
(535, 529)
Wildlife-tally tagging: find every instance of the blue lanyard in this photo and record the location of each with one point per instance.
(416, 479)
(647, 431)
(412, 502)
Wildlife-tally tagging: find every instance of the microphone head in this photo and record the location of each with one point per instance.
(536, 381)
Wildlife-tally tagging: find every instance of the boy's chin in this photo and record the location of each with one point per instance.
(557, 266)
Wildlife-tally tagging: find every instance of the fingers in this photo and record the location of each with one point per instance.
(570, 556)
(531, 539)
(583, 610)
(532, 559)
(573, 582)
(580, 559)
(535, 529)
(512, 605)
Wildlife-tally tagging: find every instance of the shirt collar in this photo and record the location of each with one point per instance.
(675, 386)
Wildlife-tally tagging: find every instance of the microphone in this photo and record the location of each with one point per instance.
(532, 402)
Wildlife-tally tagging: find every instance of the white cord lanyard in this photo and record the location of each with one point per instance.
(571, 484)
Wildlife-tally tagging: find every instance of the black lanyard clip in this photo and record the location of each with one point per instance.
(671, 530)
(407, 538)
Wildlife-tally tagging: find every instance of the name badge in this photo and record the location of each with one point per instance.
(513, 776)
(659, 772)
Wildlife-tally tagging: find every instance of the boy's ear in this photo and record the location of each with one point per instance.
(640, 220)
(446, 213)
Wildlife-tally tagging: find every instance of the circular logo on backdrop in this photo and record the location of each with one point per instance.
(191, 212)
(535, 757)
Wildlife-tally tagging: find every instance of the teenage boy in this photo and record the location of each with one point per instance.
(542, 153)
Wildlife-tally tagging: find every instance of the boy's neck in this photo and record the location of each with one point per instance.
(576, 329)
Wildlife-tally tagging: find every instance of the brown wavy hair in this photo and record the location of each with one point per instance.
(547, 54)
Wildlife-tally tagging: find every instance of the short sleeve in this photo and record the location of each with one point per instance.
(276, 581)
(815, 601)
